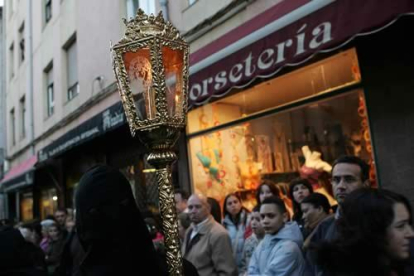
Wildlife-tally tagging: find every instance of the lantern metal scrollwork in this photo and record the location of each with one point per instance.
(151, 66)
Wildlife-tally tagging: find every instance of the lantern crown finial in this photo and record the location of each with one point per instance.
(143, 26)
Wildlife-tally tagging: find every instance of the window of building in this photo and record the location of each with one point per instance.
(48, 202)
(48, 10)
(148, 6)
(72, 70)
(269, 130)
(13, 126)
(26, 206)
(11, 60)
(131, 7)
(50, 94)
(191, 2)
(21, 44)
(23, 117)
(11, 7)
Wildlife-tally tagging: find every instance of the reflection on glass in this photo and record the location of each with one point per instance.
(173, 66)
(138, 67)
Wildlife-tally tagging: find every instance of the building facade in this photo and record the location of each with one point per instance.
(274, 85)
(2, 111)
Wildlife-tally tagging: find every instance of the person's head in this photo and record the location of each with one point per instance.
(273, 215)
(198, 208)
(315, 208)
(349, 173)
(45, 226)
(232, 205)
(255, 222)
(54, 232)
(181, 198)
(107, 215)
(183, 223)
(60, 216)
(69, 224)
(380, 219)
(215, 209)
(266, 189)
(299, 189)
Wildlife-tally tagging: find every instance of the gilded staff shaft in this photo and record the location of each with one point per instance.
(169, 221)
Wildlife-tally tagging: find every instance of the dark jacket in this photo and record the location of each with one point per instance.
(72, 256)
(326, 231)
(19, 257)
(410, 268)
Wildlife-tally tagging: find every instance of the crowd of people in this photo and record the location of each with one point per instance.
(369, 232)
(45, 241)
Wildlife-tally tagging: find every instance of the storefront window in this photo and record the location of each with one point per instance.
(280, 145)
(26, 206)
(48, 202)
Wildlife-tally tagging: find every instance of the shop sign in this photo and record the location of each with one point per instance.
(109, 119)
(258, 61)
(325, 29)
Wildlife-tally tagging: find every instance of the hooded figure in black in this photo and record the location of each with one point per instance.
(19, 257)
(111, 229)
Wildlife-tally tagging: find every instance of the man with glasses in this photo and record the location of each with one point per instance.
(349, 173)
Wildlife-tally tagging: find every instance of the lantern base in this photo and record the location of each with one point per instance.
(160, 159)
(159, 138)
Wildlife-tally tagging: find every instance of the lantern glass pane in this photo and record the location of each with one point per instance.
(173, 61)
(139, 70)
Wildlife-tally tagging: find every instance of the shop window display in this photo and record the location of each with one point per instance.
(48, 202)
(299, 141)
(26, 206)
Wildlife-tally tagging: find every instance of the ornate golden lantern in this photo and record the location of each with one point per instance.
(151, 66)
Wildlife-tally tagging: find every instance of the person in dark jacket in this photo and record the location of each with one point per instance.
(72, 256)
(373, 236)
(111, 229)
(349, 173)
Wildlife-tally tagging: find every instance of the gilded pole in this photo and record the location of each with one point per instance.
(162, 162)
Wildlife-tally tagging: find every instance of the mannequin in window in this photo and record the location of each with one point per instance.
(313, 169)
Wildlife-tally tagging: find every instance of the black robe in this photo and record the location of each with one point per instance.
(111, 229)
(19, 257)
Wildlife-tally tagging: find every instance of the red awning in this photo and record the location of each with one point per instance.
(19, 174)
(288, 34)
